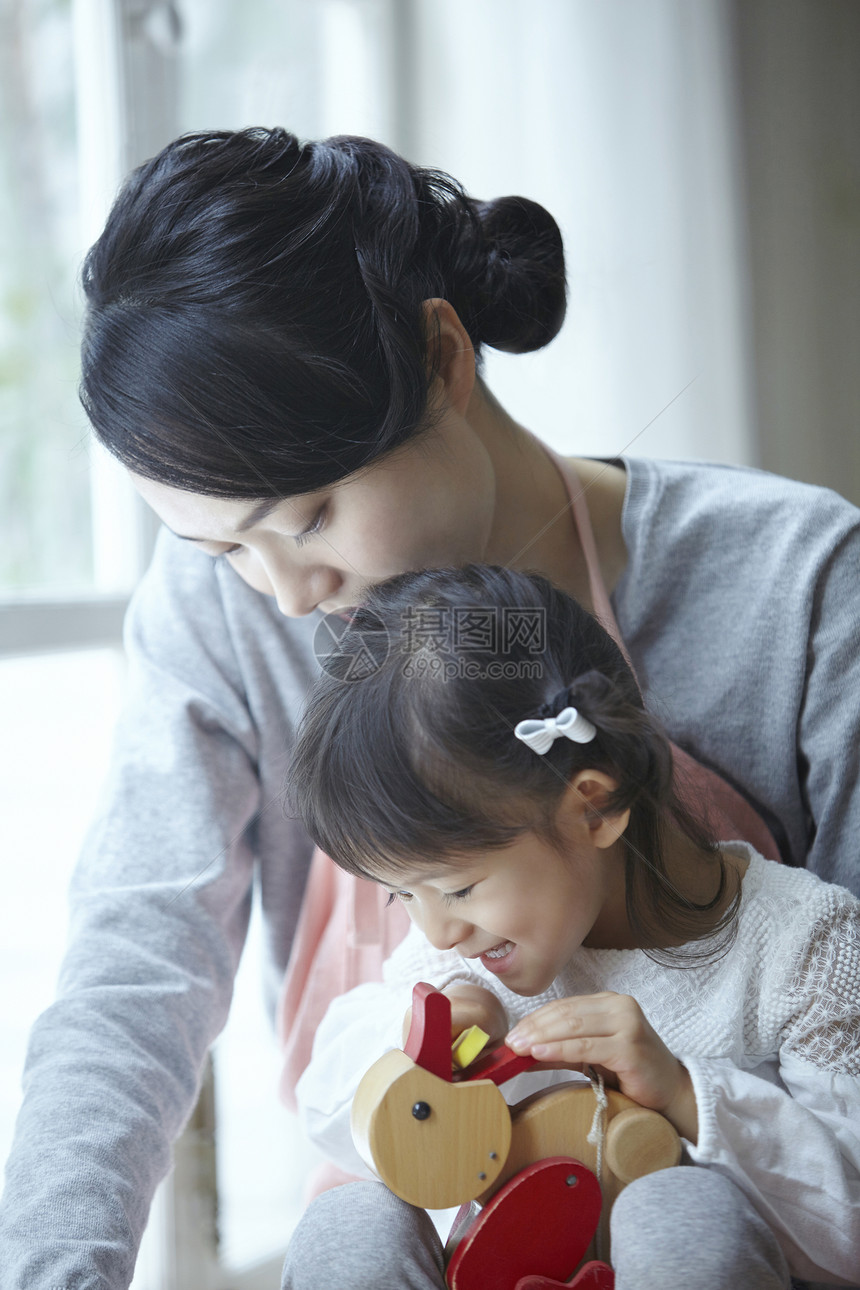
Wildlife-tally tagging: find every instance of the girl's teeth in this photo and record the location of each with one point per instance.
(500, 951)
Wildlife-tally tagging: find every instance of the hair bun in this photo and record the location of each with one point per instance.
(526, 291)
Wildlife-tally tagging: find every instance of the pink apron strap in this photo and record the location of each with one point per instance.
(599, 596)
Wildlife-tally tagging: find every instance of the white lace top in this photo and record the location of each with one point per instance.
(770, 1034)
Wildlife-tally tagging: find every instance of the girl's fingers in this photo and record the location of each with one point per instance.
(575, 1052)
(609, 1031)
(593, 1015)
(597, 1050)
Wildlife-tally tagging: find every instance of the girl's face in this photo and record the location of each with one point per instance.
(429, 504)
(523, 911)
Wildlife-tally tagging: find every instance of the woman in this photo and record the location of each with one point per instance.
(283, 346)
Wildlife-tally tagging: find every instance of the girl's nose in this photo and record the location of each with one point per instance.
(444, 929)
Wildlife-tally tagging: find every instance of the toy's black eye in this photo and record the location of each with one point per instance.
(421, 1110)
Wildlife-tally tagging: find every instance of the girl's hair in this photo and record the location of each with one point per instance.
(407, 745)
(255, 324)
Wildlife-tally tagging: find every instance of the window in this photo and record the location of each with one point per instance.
(44, 459)
(90, 89)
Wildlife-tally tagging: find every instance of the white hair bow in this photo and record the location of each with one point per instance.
(541, 735)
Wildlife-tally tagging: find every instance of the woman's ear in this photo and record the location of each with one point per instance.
(586, 799)
(450, 354)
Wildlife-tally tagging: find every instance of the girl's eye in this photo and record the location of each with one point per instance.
(459, 895)
(314, 527)
(231, 550)
(398, 895)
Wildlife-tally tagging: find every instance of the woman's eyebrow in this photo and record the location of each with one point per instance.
(259, 512)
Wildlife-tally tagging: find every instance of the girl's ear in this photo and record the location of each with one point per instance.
(449, 342)
(586, 798)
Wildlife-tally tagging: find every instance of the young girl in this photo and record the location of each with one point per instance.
(498, 774)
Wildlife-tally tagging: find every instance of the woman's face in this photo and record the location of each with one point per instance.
(429, 504)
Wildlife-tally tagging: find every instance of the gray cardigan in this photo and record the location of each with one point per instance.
(740, 609)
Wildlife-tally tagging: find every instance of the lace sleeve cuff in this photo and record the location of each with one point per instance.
(824, 992)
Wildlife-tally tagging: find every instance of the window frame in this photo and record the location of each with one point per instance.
(115, 60)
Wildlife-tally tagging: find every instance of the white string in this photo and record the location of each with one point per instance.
(596, 1136)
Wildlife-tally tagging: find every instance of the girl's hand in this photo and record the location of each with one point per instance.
(611, 1033)
(471, 1005)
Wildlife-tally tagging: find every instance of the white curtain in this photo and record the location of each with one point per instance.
(618, 116)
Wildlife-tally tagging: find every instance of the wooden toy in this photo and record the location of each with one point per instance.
(439, 1137)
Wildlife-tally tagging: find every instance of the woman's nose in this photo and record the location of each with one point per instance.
(294, 599)
(297, 592)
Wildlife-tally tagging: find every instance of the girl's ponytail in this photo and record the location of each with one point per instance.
(630, 739)
(635, 751)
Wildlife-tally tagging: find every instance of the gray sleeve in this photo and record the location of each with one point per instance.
(160, 903)
(740, 608)
(828, 736)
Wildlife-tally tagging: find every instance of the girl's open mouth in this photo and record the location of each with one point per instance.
(498, 959)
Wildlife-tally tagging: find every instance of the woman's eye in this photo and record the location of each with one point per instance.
(299, 538)
(459, 895)
(318, 521)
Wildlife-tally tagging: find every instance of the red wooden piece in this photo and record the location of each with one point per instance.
(429, 1039)
(539, 1224)
(429, 1043)
(499, 1065)
(591, 1276)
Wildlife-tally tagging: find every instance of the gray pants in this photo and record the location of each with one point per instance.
(687, 1227)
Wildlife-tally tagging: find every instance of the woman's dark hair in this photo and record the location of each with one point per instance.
(407, 745)
(254, 306)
